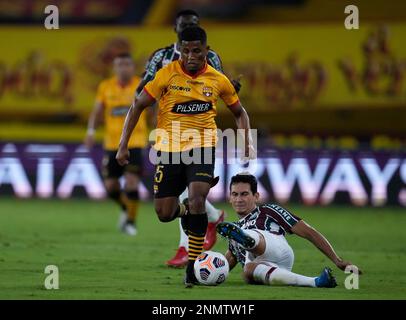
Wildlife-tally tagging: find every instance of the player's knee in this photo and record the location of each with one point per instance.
(165, 214)
(248, 273)
(197, 204)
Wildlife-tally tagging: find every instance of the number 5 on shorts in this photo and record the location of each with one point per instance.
(159, 174)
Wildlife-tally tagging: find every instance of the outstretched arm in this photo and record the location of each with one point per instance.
(304, 230)
(243, 122)
(139, 104)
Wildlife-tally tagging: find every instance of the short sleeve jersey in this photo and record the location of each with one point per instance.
(116, 100)
(269, 217)
(188, 106)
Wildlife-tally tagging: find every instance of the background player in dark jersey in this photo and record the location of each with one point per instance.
(163, 56)
(160, 58)
(258, 241)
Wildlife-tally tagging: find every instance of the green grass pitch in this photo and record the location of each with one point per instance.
(95, 261)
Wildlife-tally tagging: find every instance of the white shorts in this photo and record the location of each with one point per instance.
(277, 251)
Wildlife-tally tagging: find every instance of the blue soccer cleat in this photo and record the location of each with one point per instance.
(326, 279)
(232, 231)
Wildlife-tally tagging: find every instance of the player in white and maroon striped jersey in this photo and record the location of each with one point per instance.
(258, 242)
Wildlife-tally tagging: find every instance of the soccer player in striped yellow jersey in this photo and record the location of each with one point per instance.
(113, 98)
(159, 59)
(187, 91)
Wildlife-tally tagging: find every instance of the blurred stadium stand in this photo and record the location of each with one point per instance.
(75, 11)
(287, 82)
(246, 11)
(308, 83)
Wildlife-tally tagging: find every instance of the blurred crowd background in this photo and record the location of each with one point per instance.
(313, 89)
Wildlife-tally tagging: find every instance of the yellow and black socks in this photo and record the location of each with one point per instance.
(196, 231)
(132, 205)
(197, 225)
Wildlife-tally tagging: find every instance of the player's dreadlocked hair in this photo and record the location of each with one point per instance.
(245, 177)
(193, 34)
(186, 12)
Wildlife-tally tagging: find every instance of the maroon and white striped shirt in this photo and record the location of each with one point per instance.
(269, 217)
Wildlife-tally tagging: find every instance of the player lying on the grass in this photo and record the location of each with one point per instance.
(187, 91)
(159, 59)
(114, 95)
(258, 241)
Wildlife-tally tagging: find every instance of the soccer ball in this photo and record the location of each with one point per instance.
(211, 268)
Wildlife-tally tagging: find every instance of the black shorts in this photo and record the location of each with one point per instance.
(172, 178)
(111, 168)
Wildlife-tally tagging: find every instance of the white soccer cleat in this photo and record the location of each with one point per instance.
(122, 220)
(125, 226)
(130, 229)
